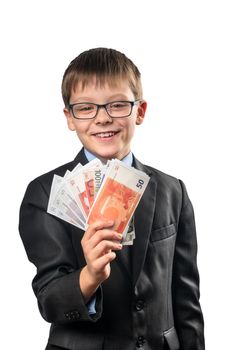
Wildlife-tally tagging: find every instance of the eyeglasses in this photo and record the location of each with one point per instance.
(115, 109)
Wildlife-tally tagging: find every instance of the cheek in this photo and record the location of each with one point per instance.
(129, 126)
(81, 129)
(131, 129)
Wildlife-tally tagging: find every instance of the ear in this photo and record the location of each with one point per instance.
(141, 112)
(69, 117)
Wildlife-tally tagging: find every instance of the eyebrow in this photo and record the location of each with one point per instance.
(115, 97)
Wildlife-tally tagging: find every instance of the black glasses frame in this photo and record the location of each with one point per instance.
(105, 105)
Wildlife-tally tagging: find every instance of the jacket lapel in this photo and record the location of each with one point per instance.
(124, 257)
(144, 215)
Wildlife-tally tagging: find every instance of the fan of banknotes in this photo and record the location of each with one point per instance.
(96, 191)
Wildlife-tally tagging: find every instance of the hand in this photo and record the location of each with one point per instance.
(98, 244)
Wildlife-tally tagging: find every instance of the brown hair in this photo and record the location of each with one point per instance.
(103, 65)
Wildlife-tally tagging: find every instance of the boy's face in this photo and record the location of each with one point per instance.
(104, 136)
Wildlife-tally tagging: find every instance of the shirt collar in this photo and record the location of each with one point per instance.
(128, 159)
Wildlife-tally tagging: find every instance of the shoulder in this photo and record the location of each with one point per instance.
(44, 181)
(169, 189)
(167, 185)
(161, 178)
(38, 190)
(41, 185)
(171, 193)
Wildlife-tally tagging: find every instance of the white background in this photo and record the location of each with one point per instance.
(183, 50)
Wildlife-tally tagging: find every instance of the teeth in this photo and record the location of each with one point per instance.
(105, 134)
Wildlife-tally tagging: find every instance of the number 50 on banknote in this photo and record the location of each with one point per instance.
(119, 195)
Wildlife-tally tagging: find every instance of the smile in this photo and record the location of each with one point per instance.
(104, 135)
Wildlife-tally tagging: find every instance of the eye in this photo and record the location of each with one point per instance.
(84, 108)
(119, 105)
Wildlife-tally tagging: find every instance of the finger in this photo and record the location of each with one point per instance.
(102, 235)
(104, 260)
(96, 226)
(103, 248)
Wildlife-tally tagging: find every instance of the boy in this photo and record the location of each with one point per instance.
(96, 294)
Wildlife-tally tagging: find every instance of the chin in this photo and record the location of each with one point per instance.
(106, 154)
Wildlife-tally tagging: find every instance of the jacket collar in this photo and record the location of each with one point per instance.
(80, 158)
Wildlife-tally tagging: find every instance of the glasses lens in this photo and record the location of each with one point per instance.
(84, 110)
(119, 109)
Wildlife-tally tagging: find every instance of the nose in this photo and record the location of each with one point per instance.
(102, 116)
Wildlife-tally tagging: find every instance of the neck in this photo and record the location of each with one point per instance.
(90, 156)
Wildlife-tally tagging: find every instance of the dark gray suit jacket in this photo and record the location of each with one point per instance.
(152, 306)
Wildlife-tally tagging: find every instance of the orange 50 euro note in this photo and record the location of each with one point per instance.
(119, 195)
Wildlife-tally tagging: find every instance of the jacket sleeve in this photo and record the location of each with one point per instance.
(48, 244)
(185, 287)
